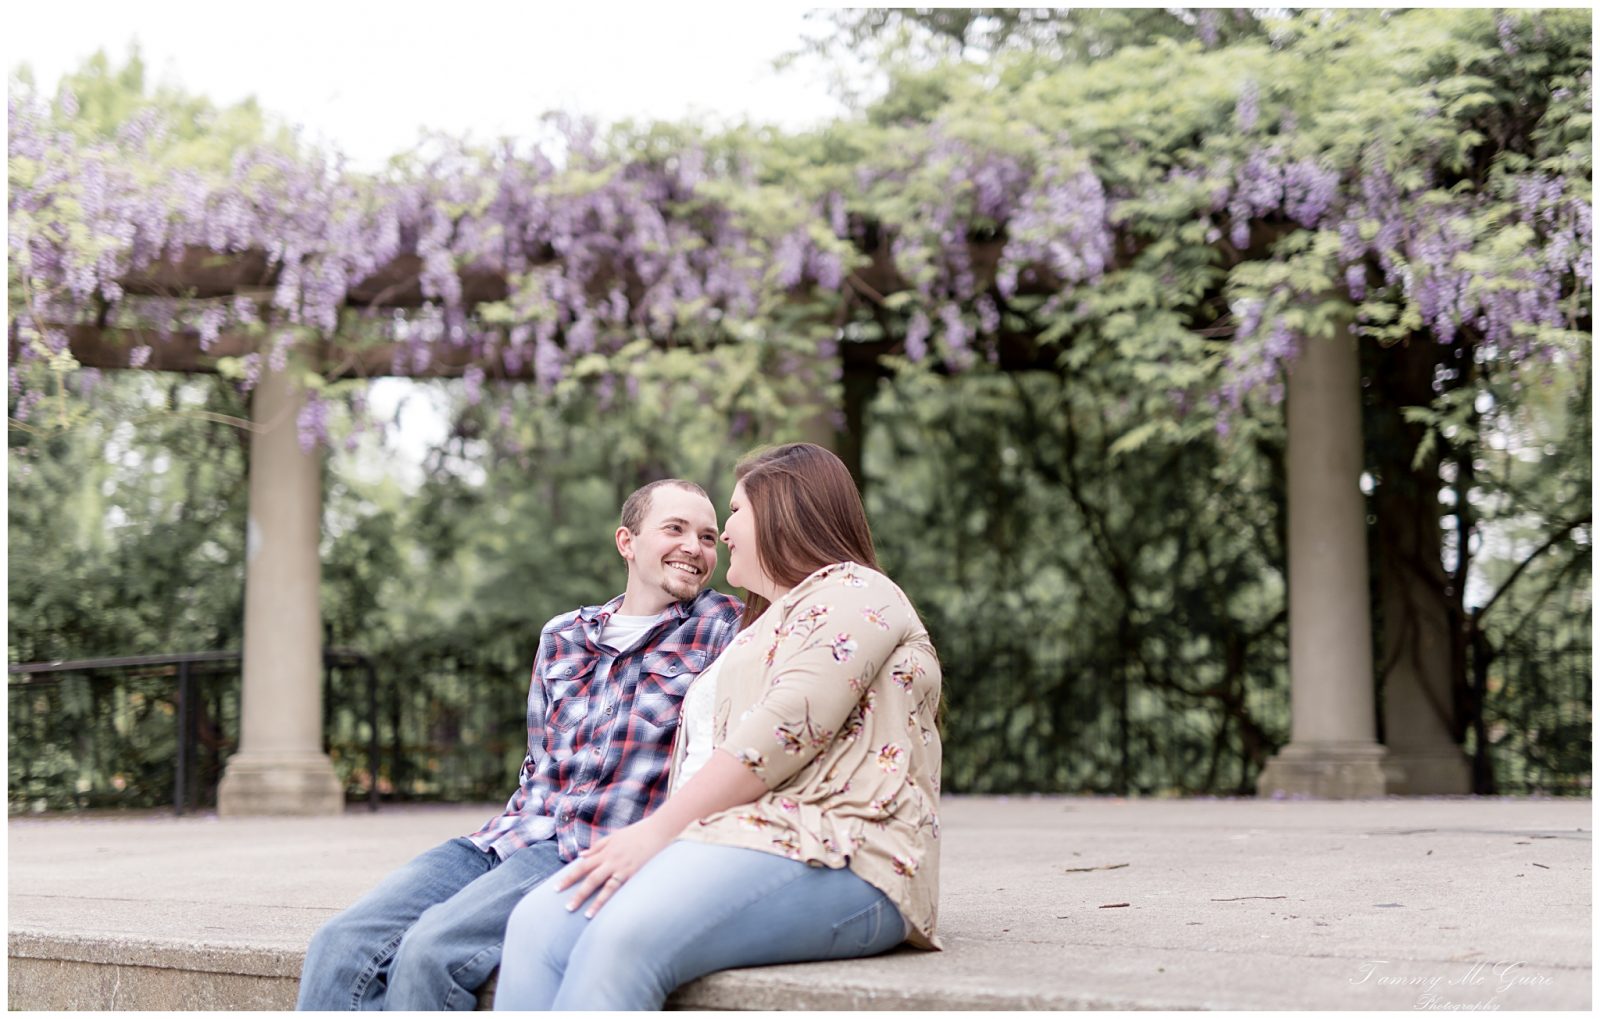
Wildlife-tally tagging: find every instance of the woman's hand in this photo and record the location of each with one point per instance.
(611, 861)
(602, 868)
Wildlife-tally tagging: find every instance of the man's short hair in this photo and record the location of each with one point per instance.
(638, 504)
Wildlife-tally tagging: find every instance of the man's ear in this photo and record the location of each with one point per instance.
(625, 543)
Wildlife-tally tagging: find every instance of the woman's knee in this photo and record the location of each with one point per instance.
(616, 937)
(621, 938)
(618, 965)
(538, 911)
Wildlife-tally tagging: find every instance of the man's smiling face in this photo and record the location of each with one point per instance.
(671, 556)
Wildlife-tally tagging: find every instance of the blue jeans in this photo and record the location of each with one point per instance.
(428, 936)
(692, 910)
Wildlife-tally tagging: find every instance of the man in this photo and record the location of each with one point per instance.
(608, 682)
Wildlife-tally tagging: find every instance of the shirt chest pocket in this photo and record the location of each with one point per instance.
(566, 686)
(664, 677)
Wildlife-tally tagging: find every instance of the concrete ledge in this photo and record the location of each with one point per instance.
(65, 986)
(1048, 903)
(70, 973)
(144, 953)
(76, 973)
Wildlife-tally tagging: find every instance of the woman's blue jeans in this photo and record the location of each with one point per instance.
(692, 910)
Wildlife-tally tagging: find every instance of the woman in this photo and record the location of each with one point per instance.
(811, 831)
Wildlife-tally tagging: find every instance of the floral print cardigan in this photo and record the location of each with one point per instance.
(830, 698)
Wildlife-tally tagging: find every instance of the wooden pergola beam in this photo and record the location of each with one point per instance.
(200, 273)
(203, 273)
(179, 351)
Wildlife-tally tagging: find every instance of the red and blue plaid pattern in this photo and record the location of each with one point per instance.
(601, 725)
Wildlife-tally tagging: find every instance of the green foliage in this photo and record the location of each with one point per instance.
(929, 34)
(108, 99)
(127, 534)
(126, 537)
(1534, 642)
(1105, 623)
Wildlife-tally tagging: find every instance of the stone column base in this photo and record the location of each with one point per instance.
(1325, 770)
(300, 784)
(1428, 772)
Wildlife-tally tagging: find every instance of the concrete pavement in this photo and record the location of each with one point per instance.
(1051, 902)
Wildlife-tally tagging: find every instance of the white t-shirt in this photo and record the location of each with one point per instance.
(622, 632)
(696, 721)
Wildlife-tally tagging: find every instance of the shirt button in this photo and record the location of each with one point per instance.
(597, 751)
(611, 709)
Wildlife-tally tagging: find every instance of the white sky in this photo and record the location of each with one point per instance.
(366, 77)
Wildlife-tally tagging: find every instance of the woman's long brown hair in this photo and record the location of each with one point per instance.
(807, 512)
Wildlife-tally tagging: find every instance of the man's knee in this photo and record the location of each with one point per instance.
(334, 939)
(436, 943)
(436, 968)
(420, 949)
(317, 949)
(336, 968)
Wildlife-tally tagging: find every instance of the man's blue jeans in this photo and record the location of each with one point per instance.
(692, 910)
(428, 936)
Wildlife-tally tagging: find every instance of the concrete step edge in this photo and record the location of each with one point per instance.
(156, 953)
(788, 987)
(809, 986)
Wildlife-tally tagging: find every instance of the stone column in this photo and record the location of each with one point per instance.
(1333, 750)
(280, 767)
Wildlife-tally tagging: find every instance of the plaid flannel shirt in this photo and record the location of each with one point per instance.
(601, 724)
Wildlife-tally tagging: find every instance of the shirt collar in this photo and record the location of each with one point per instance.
(596, 616)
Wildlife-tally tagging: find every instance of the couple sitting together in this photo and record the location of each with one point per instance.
(788, 813)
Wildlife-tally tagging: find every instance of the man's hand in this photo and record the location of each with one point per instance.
(606, 865)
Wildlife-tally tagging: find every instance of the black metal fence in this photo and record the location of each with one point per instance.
(448, 730)
(142, 730)
(1105, 723)
(120, 731)
(1536, 689)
